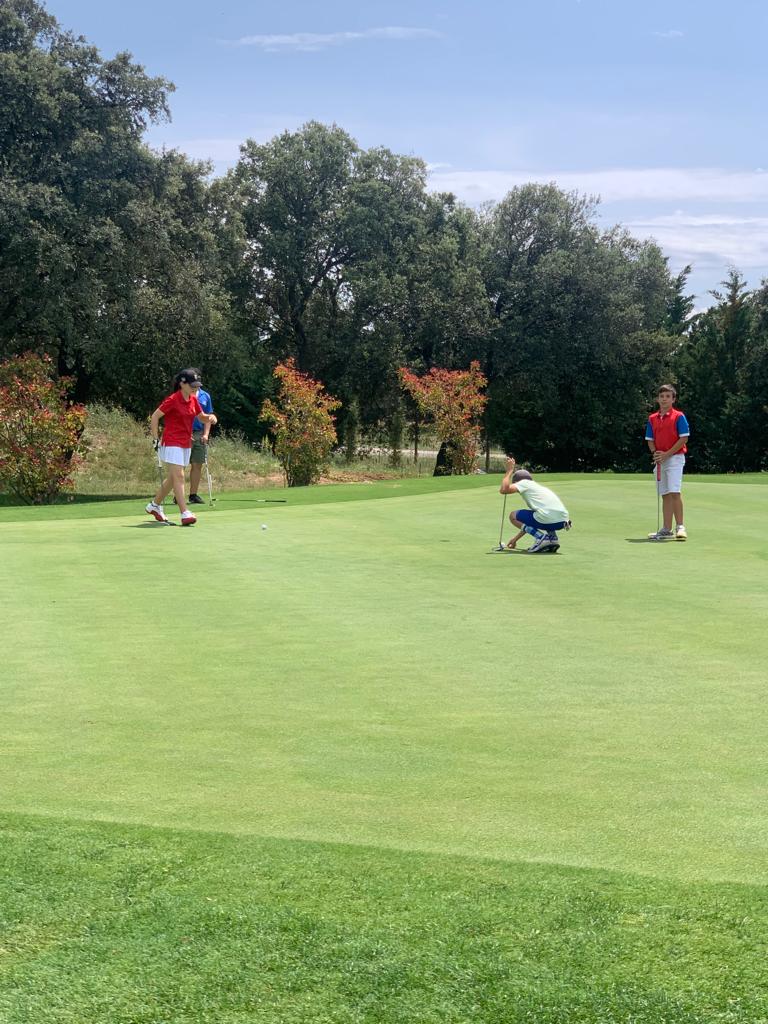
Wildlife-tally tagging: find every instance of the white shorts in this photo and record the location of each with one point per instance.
(671, 481)
(175, 456)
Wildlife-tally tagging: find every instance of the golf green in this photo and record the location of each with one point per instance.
(366, 672)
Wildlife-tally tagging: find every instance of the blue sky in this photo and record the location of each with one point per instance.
(658, 107)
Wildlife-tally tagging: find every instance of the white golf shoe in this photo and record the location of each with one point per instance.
(153, 509)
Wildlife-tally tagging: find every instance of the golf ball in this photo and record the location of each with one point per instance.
(263, 526)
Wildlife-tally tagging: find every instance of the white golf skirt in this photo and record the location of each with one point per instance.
(671, 481)
(175, 456)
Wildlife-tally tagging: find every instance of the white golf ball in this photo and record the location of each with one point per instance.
(263, 526)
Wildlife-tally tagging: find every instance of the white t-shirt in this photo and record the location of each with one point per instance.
(544, 503)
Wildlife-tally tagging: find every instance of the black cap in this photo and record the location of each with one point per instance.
(189, 377)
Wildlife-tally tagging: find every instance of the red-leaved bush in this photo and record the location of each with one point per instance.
(40, 430)
(302, 425)
(453, 399)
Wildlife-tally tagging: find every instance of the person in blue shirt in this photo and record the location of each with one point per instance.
(197, 458)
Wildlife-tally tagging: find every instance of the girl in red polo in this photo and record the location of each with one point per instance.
(178, 412)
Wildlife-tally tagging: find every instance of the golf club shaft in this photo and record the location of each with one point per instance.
(658, 496)
(160, 472)
(501, 526)
(208, 476)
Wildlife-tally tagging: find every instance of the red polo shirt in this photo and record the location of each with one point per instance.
(666, 430)
(179, 415)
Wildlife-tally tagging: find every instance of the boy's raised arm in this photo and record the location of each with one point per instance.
(507, 487)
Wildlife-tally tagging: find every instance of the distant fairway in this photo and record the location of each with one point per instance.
(362, 692)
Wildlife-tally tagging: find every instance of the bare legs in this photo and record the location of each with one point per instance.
(672, 507)
(174, 481)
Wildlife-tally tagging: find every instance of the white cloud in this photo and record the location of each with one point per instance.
(671, 33)
(617, 185)
(312, 41)
(708, 240)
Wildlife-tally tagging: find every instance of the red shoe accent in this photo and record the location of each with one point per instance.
(188, 519)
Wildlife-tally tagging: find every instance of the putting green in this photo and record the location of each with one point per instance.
(364, 671)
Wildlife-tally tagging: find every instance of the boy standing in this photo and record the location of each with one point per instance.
(667, 432)
(544, 516)
(199, 454)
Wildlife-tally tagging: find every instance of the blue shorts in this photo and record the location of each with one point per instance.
(525, 516)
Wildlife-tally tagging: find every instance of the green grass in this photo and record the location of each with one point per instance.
(124, 925)
(383, 775)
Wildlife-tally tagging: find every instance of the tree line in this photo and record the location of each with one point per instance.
(123, 264)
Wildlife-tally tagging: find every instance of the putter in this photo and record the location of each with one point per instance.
(500, 546)
(658, 496)
(160, 473)
(657, 478)
(211, 499)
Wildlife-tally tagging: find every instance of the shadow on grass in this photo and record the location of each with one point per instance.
(147, 526)
(645, 540)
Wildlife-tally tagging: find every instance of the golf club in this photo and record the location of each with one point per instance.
(500, 546)
(657, 478)
(658, 497)
(211, 499)
(160, 471)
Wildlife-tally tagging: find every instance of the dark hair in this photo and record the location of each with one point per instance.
(668, 387)
(521, 474)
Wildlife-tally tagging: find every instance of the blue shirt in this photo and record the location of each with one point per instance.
(206, 405)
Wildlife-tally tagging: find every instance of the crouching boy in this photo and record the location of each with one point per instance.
(543, 517)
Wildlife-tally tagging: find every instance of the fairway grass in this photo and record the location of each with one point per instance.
(105, 923)
(353, 767)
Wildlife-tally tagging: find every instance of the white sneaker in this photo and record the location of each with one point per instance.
(153, 509)
(661, 534)
(681, 533)
(539, 544)
(188, 518)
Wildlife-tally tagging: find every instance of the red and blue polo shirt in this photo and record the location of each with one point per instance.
(667, 429)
